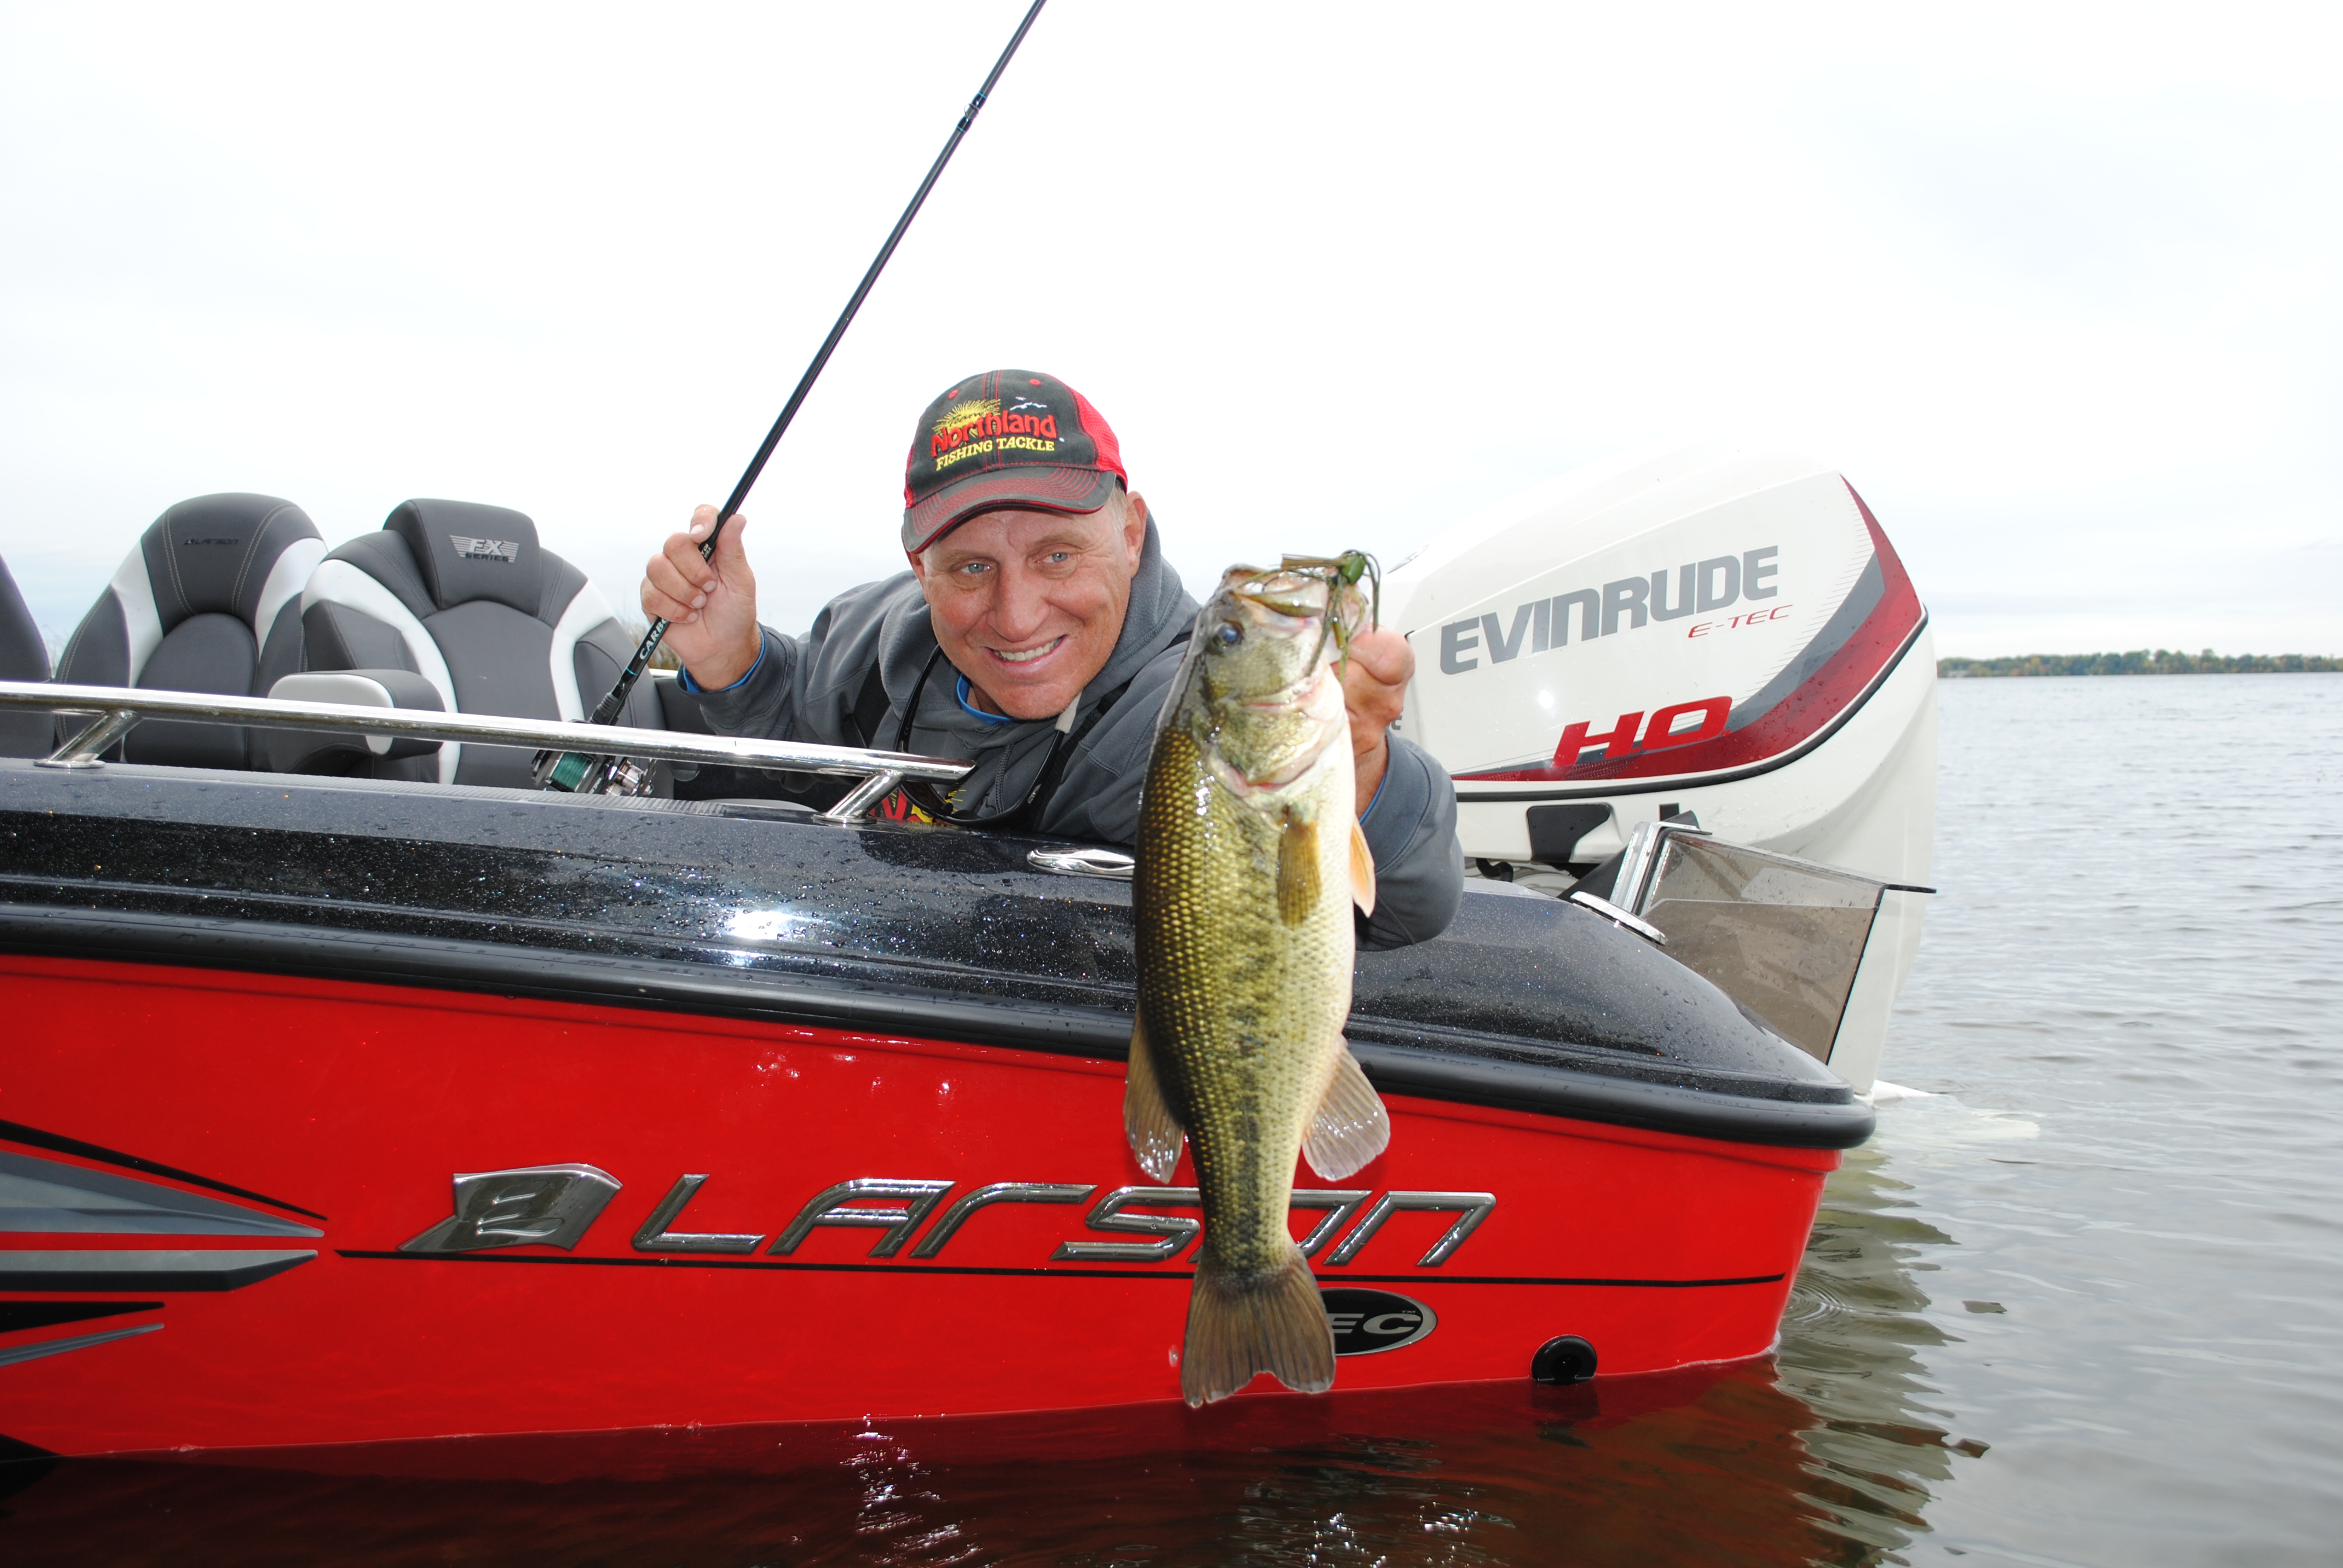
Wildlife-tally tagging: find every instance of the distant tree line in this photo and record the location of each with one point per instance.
(2140, 661)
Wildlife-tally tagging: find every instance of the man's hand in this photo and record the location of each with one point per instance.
(710, 605)
(1375, 686)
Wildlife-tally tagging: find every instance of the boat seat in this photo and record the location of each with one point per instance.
(463, 596)
(22, 657)
(208, 601)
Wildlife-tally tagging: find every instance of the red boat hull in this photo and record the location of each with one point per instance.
(359, 1103)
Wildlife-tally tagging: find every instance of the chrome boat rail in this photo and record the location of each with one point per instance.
(116, 710)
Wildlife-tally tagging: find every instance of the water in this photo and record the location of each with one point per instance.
(2080, 1303)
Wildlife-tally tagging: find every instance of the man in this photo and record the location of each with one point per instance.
(1037, 633)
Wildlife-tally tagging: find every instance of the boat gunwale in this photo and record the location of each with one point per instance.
(130, 706)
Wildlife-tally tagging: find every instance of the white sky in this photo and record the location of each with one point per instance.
(2056, 287)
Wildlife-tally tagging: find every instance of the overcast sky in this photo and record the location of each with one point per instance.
(2056, 288)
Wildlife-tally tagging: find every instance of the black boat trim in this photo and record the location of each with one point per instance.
(59, 1144)
(1598, 790)
(1100, 1033)
(1426, 1277)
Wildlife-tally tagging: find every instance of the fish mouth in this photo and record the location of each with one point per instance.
(1026, 658)
(1284, 601)
(1293, 605)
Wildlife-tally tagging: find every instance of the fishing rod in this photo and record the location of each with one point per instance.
(582, 773)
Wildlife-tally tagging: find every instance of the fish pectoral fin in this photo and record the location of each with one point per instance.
(1155, 1134)
(1240, 1326)
(1350, 1128)
(1362, 872)
(1297, 869)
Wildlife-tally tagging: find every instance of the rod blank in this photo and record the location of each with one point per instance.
(608, 709)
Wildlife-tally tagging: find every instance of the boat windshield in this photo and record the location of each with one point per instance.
(1780, 936)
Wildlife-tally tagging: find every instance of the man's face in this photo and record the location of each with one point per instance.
(1028, 605)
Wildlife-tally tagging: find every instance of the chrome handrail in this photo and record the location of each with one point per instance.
(117, 710)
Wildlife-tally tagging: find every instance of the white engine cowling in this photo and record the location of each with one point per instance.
(1717, 630)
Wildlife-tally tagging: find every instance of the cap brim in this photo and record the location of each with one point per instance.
(1041, 486)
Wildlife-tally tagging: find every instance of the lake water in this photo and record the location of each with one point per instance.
(2079, 1303)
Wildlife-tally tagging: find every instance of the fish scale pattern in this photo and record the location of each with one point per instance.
(1243, 1009)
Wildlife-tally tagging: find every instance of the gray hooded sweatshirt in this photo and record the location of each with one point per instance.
(806, 688)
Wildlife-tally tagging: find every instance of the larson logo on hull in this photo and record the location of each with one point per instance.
(553, 1205)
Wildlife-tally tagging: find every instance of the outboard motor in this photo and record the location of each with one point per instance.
(1719, 634)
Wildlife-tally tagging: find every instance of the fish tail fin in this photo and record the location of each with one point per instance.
(1155, 1134)
(1240, 1325)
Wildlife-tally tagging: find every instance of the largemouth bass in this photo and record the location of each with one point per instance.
(1250, 859)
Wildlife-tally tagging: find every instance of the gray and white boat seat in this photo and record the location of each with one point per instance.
(454, 606)
(209, 601)
(22, 657)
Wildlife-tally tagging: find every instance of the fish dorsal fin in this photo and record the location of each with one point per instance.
(1350, 1128)
(1155, 1134)
(1297, 869)
(1362, 872)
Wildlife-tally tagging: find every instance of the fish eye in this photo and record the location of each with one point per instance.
(1229, 634)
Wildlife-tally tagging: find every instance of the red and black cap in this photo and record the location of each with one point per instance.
(1005, 439)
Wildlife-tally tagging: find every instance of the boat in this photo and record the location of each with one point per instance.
(351, 1110)
(354, 1108)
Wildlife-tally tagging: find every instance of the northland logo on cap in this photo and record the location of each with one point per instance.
(979, 425)
(1004, 440)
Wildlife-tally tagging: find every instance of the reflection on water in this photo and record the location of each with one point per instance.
(2111, 1247)
(1852, 1346)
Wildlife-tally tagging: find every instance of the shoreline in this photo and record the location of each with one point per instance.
(2140, 661)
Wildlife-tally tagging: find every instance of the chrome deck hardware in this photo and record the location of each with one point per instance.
(117, 710)
(1082, 860)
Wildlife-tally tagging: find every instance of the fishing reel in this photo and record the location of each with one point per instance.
(583, 773)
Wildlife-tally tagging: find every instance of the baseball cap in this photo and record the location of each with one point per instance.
(1007, 439)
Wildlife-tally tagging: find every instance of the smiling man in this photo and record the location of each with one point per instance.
(1037, 633)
